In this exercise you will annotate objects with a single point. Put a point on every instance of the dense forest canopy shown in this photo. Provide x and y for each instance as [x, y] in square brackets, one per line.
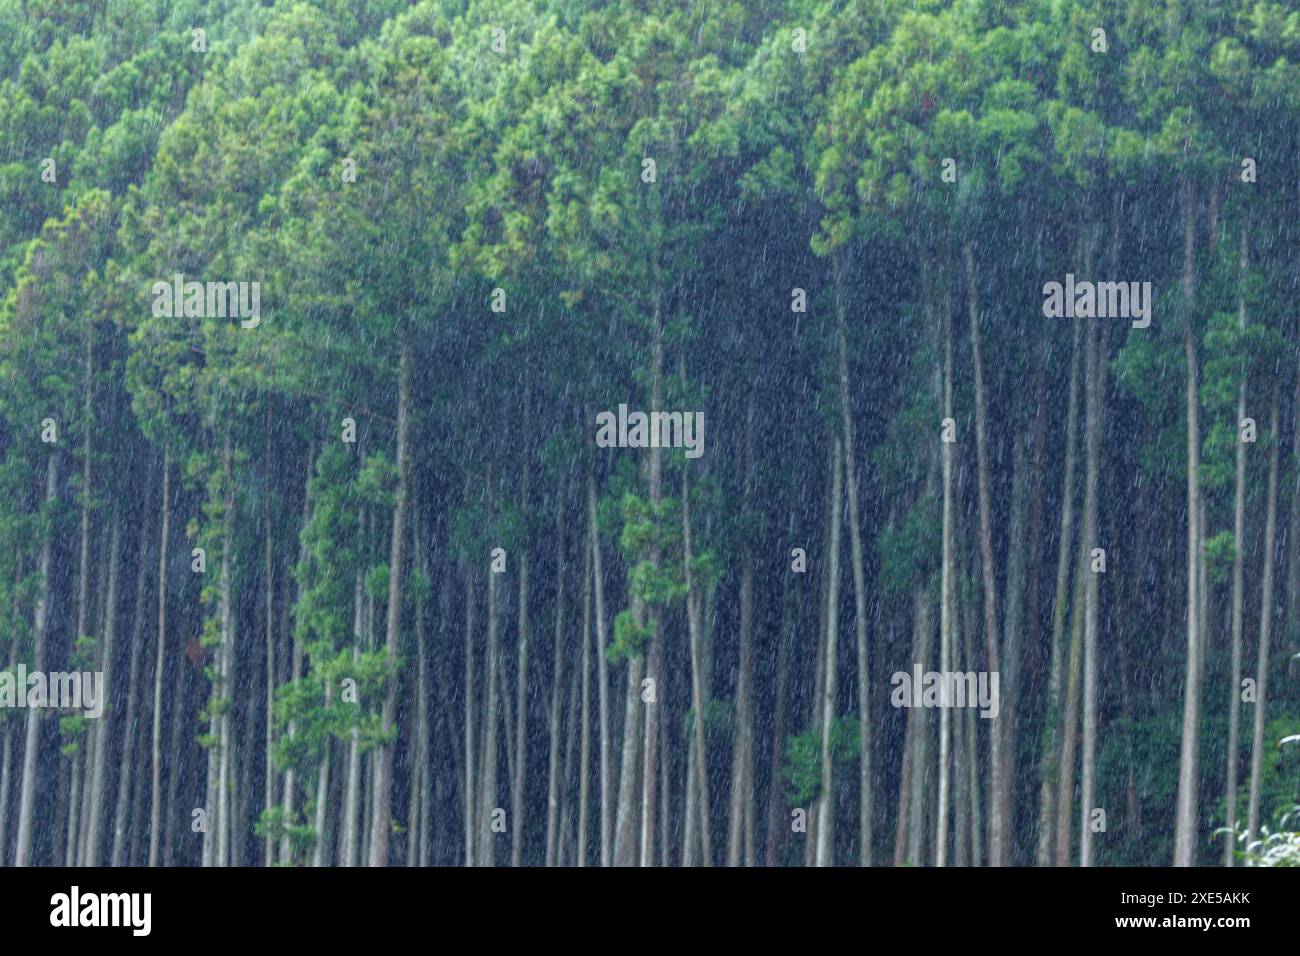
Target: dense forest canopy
[594, 433]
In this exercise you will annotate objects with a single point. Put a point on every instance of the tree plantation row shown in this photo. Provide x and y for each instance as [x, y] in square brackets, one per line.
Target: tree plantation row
[354, 368]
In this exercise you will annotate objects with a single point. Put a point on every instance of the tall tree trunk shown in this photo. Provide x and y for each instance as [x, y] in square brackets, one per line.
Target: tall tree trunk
[98, 783]
[1052, 719]
[776, 821]
[381, 828]
[865, 793]
[127, 792]
[268, 741]
[654, 660]
[997, 804]
[742, 789]
[352, 795]
[946, 601]
[553, 758]
[1238, 584]
[520, 766]
[491, 753]
[471, 822]
[80, 753]
[1070, 721]
[155, 803]
[1092, 450]
[602, 677]
[1188, 779]
[7, 760]
[826, 800]
[27, 790]
[322, 794]
[584, 762]
[625, 829]
[521, 714]
[1013, 627]
[919, 725]
[215, 837]
[1265, 628]
[700, 777]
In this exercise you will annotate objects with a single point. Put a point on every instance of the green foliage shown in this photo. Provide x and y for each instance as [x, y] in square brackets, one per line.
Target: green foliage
[803, 758]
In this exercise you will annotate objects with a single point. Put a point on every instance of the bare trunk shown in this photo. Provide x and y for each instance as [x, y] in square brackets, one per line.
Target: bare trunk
[1238, 588]
[865, 792]
[268, 766]
[97, 781]
[1052, 728]
[156, 800]
[380, 824]
[553, 759]
[491, 752]
[127, 792]
[1188, 777]
[584, 761]
[1265, 630]
[1070, 723]
[602, 679]
[742, 789]
[699, 750]
[471, 797]
[946, 609]
[27, 790]
[826, 800]
[997, 806]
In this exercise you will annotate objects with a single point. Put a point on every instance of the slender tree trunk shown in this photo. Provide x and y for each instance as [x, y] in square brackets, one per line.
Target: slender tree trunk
[997, 801]
[98, 783]
[126, 791]
[742, 789]
[553, 764]
[352, 798]
[1052, 727]
[698, 698]
[1265, 629]
[826, 800]
[584, 762]
[626, 821]
[491, 753]
[1090, 597]
[946, 601]
[155, 803]
[865, 792]
[1013, 627]
[1070, 723]
[913, 782]
[521, 715]
[268, 765]
[322, 795]
[215, 835]
[381, 828]
[470, 795]
[564, 847]
[1238, 585]
[27, 791]
[1188, 779]
[520, 766]
[602, 678]
[654, 660]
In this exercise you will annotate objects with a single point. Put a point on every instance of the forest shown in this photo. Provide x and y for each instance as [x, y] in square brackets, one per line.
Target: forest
[953, 530]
